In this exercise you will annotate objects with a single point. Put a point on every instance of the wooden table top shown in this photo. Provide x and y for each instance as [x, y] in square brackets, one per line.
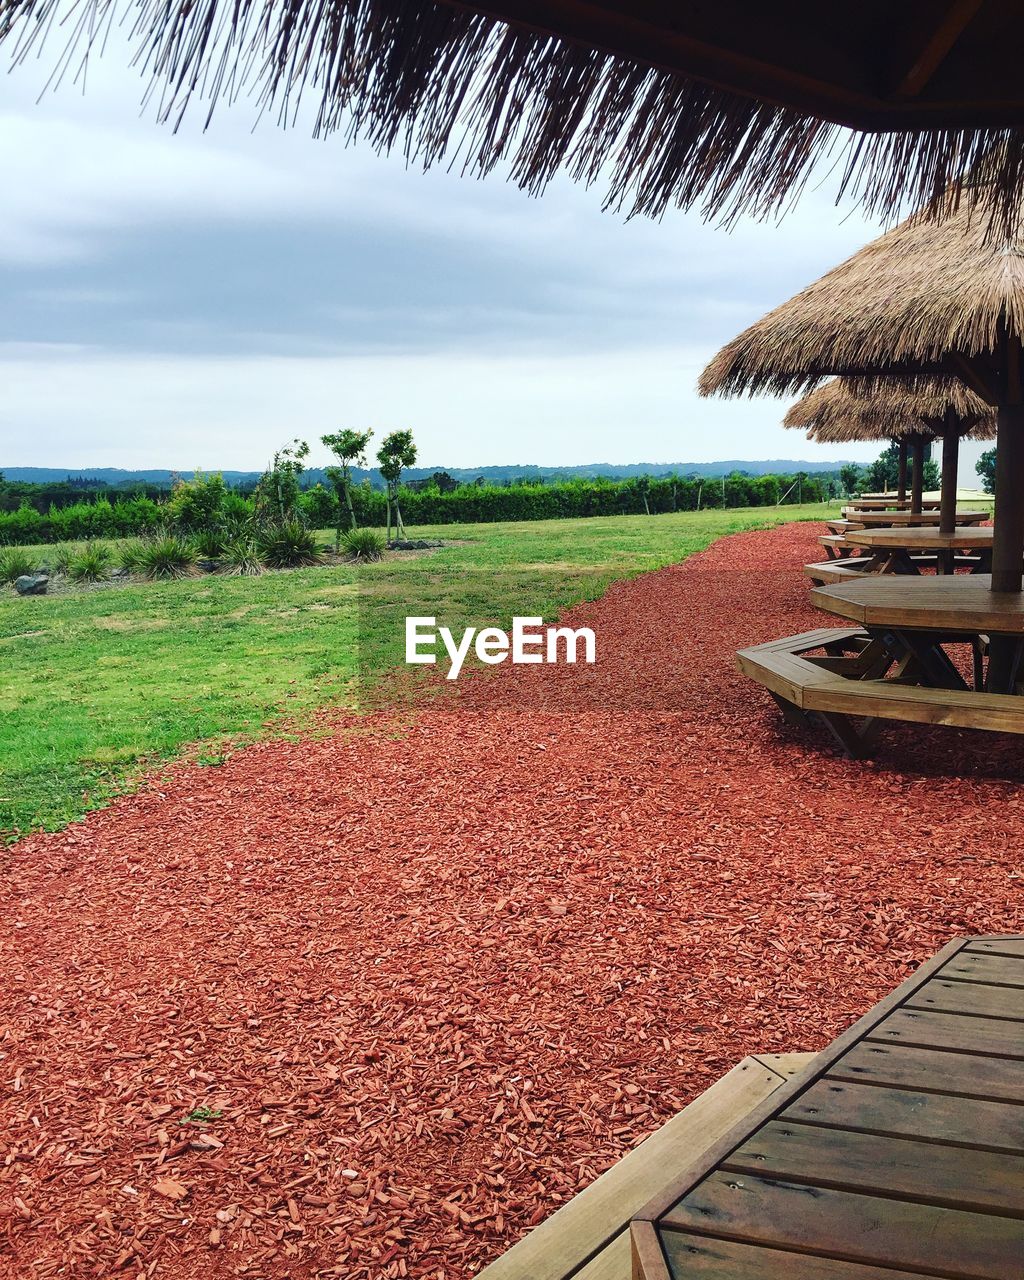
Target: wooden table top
[898, 1152]
[895, 504]
[964, 603]
[923, 538]
[915, 517]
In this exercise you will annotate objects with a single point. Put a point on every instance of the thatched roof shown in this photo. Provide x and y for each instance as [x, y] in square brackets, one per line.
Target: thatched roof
[910, 301]
[716, 106]
[840, 412]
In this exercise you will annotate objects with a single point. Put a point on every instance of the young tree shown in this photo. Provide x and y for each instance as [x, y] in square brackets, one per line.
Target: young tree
[643, 488]
[278, 487]
[850, 475]
[883, 473]
[396, 452]
[349, 447]
[986, 469]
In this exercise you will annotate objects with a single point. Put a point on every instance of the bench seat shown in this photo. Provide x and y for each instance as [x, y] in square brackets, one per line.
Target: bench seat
[833, 689]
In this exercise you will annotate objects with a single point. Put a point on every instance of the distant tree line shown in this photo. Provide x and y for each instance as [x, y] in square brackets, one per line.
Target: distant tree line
[436, 500]
[883, 474]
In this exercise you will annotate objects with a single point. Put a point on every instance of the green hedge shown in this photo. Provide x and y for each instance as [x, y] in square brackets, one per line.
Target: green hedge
[473, 504]
[468, 504]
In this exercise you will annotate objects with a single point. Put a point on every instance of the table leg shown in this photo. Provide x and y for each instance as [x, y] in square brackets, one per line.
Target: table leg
[935, 665]
[1004, 658]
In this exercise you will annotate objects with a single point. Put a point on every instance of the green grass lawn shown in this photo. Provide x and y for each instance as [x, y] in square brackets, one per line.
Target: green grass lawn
[100, 685]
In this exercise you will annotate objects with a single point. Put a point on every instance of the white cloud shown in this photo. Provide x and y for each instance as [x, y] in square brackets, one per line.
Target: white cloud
[465, 411]
[558, 333]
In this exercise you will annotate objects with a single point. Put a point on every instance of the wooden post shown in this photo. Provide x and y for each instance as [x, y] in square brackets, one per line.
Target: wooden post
[1008, 534]
[902, 479]
[917, 478]
[950, 459]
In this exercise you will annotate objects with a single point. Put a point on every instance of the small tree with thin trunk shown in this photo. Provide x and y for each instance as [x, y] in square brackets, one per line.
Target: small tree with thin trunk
[396, 452]
[349, 447]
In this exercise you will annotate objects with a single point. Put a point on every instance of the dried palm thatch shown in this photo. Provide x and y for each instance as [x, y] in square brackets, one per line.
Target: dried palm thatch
[840, 412]
[924, 299]
[440, 80]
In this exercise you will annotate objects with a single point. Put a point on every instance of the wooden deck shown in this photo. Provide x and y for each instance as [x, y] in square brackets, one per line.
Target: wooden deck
[588, 1238]
[898, 1152]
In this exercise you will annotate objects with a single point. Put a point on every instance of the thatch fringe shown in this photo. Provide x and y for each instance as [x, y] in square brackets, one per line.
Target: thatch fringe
[442, 82]
[906, 303]
[840, 412]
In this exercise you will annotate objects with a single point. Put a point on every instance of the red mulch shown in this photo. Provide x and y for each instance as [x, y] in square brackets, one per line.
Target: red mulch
[437, 979]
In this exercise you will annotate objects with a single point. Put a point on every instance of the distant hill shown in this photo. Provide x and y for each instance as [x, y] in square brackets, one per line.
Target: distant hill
[116, 477]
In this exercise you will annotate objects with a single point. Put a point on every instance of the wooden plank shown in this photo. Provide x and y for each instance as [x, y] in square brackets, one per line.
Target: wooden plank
[930, 1117]
[998, 970]
[649, 1262]
[998, 946]
[614, 1262]
[590, 1221]
[784, 1064]
[932, 1071]
[971, 999]
[856, 1228]
[949, 1031]
[890, 701]
[703, 1259]
[872, 1164]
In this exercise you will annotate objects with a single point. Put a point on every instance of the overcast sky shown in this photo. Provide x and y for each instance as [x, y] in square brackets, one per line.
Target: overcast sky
[196, 299]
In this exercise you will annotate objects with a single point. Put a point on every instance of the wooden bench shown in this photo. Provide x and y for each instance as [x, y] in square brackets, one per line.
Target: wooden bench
[838, 570]
[835, 545]
[845, 690]
[857, 564]
[588, 1238]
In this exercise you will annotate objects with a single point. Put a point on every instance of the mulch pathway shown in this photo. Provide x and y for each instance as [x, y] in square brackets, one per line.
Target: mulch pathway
[430, 978]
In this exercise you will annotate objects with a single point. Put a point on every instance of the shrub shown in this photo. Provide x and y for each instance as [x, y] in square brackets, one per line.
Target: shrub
[90, 563]
[14, 563]
[287, 545]
[241, 556]
[62, 555]
[129, 555]
[363, 544]
[196, 505]
[319, 507]
[169, 556]
[208, 543]
[237, 513]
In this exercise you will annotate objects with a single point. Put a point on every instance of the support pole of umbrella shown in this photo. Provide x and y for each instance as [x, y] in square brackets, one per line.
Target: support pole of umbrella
[902, 474]
[1008, 534]
[917, 476]
[950, 462]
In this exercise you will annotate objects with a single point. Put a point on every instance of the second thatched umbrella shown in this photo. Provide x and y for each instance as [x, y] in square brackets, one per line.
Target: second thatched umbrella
[926, 301]
[841, 411]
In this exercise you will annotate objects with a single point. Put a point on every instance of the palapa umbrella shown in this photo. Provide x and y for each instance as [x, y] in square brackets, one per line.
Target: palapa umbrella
[726, 106]
[840, 411]
[929, 300]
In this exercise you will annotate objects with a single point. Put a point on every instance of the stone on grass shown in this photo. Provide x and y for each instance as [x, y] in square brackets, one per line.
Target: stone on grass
[31, 584]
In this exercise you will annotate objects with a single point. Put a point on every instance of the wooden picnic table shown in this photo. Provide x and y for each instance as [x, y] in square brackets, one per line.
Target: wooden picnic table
[890, 504]
[915, 620]
[898, 1152]
[894, 519]
[894, 550]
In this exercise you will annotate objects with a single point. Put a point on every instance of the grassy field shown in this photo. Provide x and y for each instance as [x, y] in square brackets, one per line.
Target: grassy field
[100, 685]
